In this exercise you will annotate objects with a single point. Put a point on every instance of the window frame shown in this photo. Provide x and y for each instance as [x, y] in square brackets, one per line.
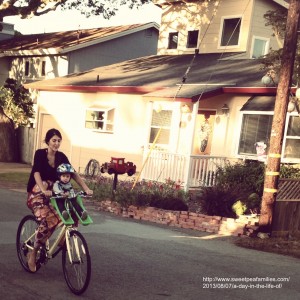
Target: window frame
[188, 38]
[286, 137]
[32, 67]
[105, 121]
[169, 128]
[267, 45]
[221, 34]
[170, 40]
[242, 113]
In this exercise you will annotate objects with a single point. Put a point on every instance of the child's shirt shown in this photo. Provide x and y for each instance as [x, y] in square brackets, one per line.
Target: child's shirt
[60, 188]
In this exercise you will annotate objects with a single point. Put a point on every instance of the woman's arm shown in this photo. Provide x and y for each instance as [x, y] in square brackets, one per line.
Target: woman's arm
[80, 181]
[39, 182]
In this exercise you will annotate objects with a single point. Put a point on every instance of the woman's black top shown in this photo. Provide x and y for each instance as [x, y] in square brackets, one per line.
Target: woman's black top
[41, 165]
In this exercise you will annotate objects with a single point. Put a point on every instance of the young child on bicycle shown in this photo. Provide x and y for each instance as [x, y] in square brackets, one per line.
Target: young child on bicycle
[63, 187]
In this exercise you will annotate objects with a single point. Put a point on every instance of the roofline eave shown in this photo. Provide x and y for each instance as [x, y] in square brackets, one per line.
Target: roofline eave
[109, 37]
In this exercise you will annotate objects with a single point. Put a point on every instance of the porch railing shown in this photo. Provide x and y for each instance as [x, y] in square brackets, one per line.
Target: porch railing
[193, 171]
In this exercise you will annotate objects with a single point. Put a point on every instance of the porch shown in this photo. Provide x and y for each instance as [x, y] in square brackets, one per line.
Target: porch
[192, 171]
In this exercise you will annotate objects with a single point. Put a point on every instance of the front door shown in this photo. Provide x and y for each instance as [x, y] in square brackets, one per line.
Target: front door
[204, 132]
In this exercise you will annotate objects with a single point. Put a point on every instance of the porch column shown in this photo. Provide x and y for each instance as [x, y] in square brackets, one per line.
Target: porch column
[191, 142]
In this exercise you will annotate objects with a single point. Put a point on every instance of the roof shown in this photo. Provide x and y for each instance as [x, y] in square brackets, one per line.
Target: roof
[260, 103]
[160, 3]
[65, 41]
[161, 76]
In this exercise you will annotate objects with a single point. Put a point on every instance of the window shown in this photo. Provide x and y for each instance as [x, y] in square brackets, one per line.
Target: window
[255, 128]
[27, 68]
[292, 138]
[259, 47]
[192, 39]
[161, 120]
[43, 68]
[100, 119]
[173, 40]
[231, 32]
[35, 68]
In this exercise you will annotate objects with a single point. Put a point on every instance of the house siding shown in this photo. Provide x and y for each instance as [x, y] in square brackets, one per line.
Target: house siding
[129, 134]
[56, 66]
[177, 18]
[4, 63]
[124, 48]
[259, 28]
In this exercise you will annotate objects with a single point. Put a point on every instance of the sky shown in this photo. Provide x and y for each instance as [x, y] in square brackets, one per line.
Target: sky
[72, 20]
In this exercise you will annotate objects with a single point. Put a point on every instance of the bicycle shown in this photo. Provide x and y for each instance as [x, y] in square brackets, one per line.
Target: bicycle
[76, 260]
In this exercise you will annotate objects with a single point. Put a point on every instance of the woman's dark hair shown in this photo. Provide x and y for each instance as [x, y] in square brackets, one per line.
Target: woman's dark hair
[51, 133]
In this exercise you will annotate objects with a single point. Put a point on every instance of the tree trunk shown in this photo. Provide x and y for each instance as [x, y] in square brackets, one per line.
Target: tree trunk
[8, 141]
[280, 110]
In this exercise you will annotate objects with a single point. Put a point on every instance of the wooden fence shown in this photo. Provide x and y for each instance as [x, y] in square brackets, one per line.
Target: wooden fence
[286, 216]
[25, 136]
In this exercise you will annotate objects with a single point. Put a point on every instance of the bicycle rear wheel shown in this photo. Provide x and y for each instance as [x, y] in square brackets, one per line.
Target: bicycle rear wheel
[25, 238]
[76, 262]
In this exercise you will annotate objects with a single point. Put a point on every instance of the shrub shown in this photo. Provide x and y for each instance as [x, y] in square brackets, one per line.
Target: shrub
[289, 171]
[218, 200]
[168, 195]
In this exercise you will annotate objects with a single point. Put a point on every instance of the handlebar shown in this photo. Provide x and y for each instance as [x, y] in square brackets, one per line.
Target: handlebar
[80, 193]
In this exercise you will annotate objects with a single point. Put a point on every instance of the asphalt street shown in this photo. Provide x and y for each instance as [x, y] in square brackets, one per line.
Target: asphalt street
[134, 260]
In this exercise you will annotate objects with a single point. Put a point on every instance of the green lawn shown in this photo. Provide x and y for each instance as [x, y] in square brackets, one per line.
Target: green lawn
[21, 178]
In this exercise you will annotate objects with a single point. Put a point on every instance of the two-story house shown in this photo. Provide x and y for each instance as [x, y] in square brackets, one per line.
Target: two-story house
[34, 57]
[180, 113]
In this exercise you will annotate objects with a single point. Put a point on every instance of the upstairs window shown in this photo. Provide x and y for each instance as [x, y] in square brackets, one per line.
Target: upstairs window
[100, 119]
[230, 32]
[43, 68]
[35, 68]
[260, 47]
[27, 68]
[173, 40]
[192, 39]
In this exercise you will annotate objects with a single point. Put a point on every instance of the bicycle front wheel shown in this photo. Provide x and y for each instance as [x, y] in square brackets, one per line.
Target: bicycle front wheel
[25, 239]
[76, 262]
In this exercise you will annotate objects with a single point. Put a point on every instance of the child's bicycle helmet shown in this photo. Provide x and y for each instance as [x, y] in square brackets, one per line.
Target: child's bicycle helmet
[65, 169]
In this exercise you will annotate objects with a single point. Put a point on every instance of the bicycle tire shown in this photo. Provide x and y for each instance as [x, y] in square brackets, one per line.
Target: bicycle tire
[77, 273]
[26, 229]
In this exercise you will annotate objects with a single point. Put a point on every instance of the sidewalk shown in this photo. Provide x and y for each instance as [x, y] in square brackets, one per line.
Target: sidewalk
[14, 167]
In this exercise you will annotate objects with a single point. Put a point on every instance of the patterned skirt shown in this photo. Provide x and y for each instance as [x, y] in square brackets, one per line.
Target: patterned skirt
[44, 213]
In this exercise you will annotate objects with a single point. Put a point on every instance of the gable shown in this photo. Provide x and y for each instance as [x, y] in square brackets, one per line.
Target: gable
[65, 41]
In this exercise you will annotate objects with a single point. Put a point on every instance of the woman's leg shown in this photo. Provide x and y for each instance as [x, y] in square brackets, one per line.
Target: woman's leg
[48, 220]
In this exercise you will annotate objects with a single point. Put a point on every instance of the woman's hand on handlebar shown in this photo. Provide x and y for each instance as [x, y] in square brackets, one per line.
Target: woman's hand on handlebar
[88, 192]
[47, 193]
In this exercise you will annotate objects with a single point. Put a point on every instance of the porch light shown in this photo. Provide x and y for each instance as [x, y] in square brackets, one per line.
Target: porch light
[225, 110]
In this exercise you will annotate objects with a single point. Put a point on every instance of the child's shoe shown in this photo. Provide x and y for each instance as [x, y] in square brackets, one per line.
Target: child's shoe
[84, 215]
[65, 215]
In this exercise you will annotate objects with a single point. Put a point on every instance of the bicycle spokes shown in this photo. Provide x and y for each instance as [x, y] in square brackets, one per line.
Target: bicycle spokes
[76, 262]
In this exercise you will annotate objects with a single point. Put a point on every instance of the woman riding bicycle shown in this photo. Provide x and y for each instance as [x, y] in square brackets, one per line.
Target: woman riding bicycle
[39, 188]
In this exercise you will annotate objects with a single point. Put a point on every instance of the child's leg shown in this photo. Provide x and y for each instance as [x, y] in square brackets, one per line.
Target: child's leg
[82, 213]
[62, 208]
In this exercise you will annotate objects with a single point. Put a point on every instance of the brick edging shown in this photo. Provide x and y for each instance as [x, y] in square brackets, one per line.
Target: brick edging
[242, 226]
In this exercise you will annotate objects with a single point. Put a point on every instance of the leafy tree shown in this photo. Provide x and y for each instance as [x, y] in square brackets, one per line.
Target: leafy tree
[16, 108]
[29, 8]
[272, 61]
[16, 102]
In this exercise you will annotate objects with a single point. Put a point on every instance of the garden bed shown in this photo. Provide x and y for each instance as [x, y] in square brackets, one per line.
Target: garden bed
[242, 226]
